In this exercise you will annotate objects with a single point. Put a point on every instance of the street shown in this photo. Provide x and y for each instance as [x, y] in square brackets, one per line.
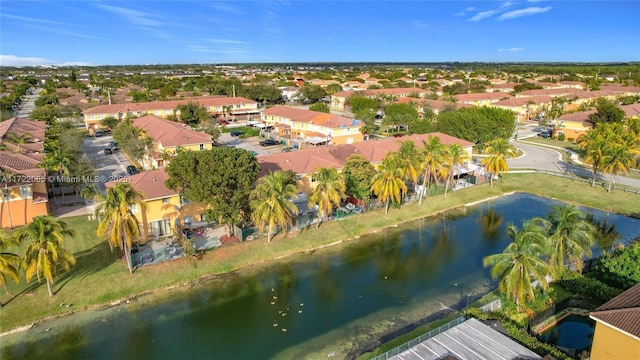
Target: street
[111, 167]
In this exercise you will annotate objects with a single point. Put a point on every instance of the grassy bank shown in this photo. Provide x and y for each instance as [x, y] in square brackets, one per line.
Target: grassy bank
[99, 278]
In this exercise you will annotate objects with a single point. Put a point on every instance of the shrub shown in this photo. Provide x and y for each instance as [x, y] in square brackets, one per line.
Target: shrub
[570, 139]
[590, 289]
[561, 137]
[620, 268]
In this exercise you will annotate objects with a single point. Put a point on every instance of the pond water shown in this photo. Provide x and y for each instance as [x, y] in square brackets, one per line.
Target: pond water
[573, 332]
[335, 300]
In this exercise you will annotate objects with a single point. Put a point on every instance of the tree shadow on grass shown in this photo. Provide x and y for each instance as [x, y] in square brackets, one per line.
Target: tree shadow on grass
[88, 262]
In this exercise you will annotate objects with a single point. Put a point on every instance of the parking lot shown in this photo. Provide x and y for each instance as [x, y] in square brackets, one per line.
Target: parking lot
[251, 144]
[110, 167]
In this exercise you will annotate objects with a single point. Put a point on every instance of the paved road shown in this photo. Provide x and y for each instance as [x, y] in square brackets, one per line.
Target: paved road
[251, 144]
[539, 157]
[28, 104]
[111, 167]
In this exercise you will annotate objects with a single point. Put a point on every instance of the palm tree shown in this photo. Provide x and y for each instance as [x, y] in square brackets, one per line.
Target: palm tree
[594, 144]
[410, 160]
[9, 262]
[5, 193]
[45, 254]
[388, 183]
[453, 155]
[520, 262]
[57, 160]
[117, 218]
[619, 157]
[571, 236]
[433, 161]
[496, 163]
[329, 190]
[271, 202]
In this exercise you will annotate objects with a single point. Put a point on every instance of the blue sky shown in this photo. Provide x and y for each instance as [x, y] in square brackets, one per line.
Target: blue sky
[168, 32]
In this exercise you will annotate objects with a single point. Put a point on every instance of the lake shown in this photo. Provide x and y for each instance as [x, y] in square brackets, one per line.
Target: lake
[308, 306]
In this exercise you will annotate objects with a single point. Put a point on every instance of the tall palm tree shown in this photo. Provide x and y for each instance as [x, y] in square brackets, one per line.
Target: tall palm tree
[410, 160]
[571, 236]
[498, 149]
[9, 262]
[329, 190]
[520, 263]
[453, 155]
[620, 156]
[45, 255]
[433, 161]
[388, 183]
[58, 161]
[594, 143]
[117, 220]
[271, 202]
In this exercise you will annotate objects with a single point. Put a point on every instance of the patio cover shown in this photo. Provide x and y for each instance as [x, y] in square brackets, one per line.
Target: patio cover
[317, 140]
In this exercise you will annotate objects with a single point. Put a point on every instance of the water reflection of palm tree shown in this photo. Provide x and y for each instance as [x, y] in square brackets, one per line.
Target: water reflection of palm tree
[328, 286]
[605, 235]
[491, 221]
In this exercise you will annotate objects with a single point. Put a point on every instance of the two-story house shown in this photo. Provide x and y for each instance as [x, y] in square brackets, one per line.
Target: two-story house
[300, 127]
[164, 210]
[339, 99]
[233, 107]
[23, 184]
[480, 99]
[169, 138]
[524, 108]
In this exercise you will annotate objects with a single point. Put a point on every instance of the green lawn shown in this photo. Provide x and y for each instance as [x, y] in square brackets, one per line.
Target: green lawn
[552, 142]
[100, 278]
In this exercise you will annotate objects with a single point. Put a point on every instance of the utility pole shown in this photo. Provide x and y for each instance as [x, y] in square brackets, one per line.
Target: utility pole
[109, 95]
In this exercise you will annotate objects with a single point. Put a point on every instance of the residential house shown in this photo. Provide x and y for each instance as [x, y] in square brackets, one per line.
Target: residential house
[23, 184]
[305, 162]
[164, 210]
[617, 333]
[339, 99]
[547, 92]
[524, 108]
[300, 127]
[169, 138]
[289, 93]
[502, 88]
[435, 105]
[575, 124]
[236, 107]
[480, 99]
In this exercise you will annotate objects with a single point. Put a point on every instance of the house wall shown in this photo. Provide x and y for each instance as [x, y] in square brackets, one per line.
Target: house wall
[158, 209]
[609, 343]
[17, 210]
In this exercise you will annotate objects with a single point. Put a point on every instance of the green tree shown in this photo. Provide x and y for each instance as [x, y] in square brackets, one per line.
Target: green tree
[328, 192]
[9, 262]
[453, 155]
[47, 113]
[520, 263]
[358, 172]
[320, 107]
[221, 178]
[110, 122]
[607, 112]
[44, 254]
[400, 114]
[388, 183]
[117, 218]
[192, 112]
[271, 202]
[571, 237]
[311, 93]
[410, 160]
[498, 151]
[594, 144]
[333, 88]
[477, 124]
[619, 156]
[433, 152]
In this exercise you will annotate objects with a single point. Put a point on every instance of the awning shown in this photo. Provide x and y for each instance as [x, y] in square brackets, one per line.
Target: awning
[316, 140]
[245, 112]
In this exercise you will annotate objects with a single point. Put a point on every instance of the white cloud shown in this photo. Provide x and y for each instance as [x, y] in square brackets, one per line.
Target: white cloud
[470, 8]
[13, 60]
[226, 41]
[30, 19]
[419, 24]
[524, 12]
[135, 17]
[513, 49]
[225, 7]
[483, 15]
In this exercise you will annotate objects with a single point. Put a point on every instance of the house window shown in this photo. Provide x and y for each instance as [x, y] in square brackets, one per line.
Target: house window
[299, 177]
[25, 191]
[139, 113]
[201, 147]
[165, 200]
[313, 177]
[188, 220]
[184, 200]
[133, 208]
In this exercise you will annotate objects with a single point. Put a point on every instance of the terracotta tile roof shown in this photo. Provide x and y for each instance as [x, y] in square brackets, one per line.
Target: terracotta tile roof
[622, 312]
[629, 110]
[537, 100]
[481, 96]
[394, 91]
[306, 161]
[24, 158]
[312, 117]
[150, 183]
[550, 92]
[437, 105]
[164, 105]
[170, 133]
[33, 129]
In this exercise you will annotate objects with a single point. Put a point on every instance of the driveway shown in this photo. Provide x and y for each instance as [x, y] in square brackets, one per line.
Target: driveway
[111, 167]
[251, 144]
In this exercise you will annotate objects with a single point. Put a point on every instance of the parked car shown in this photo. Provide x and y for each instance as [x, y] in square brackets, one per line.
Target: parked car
[113, 145]
[108, 150]
[236, 133]
[545, 134]
[98, 133]
[223, 122]
[268, 142]
[132, 170]
[287, 149]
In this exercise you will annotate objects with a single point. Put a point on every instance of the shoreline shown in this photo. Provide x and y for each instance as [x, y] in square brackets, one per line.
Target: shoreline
[132, 297]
